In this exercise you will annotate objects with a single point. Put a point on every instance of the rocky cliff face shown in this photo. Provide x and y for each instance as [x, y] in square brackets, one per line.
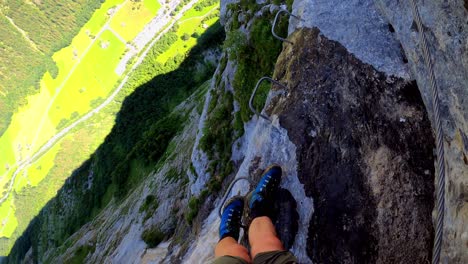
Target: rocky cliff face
[364, 148]
[446, 27]
[155, 207]
[352, 129]
[372, 30]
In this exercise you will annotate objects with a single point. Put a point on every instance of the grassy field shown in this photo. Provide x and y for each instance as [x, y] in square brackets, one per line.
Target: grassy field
[15, 144]
[193, 23]
[38, 170]
[133, 16]
[8, 220]
[85, 75]
[197, 12]
[67, 57]
[46, 111]
[31, 127]
[30, 33]
[91, 81]
[93, 78]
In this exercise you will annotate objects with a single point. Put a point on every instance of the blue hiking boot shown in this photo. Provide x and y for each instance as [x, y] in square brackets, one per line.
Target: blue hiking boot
[231, 218]
[262, 199]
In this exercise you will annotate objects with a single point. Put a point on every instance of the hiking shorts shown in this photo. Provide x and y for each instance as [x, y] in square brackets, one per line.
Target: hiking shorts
[271, 257]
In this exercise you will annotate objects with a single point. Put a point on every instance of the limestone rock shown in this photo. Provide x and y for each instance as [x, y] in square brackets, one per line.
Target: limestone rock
[383, 34]
[364, 168]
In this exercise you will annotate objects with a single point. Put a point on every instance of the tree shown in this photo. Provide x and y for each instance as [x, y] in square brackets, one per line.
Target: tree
[185, 37]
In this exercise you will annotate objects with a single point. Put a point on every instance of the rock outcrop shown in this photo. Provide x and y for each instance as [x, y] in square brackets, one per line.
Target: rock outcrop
[364, 148]
[115, 235]
[372, 31]
[357, 115]
[446, 29]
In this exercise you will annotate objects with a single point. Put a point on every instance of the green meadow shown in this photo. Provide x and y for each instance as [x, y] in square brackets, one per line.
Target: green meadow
[133, 16]
[93, 78]
[8, 221]
[37, 171]
[193, 23]
[86, 75]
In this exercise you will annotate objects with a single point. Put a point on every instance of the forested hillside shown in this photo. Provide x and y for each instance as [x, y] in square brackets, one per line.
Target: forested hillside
[30, 32]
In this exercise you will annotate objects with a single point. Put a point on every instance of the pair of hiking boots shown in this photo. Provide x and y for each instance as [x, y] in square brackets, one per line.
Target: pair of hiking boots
[260, 203]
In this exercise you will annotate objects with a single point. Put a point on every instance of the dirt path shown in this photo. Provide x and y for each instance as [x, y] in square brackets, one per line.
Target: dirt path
[24, 34]
[116, 34]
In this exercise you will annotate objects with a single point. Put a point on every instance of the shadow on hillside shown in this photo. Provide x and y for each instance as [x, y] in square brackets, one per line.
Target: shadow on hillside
[77, 202]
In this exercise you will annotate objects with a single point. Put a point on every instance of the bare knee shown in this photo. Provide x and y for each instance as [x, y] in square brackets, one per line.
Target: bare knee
[262, 236]
[268, 243]
[229, 247]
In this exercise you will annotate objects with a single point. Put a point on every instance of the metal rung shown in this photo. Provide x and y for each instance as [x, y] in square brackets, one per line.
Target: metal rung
[255, 90]
[276, 19]
[220, 212]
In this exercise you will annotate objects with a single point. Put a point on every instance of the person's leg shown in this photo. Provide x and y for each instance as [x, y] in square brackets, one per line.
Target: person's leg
[262, 236]
[265, 246]
[228, 250]
[228, 246]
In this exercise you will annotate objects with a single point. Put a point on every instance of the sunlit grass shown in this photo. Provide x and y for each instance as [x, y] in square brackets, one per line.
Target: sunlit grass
[189, 24]
[152, 5]
[93, 78]
[16, 143]
[8, 221]
[7, 156]
[25, 123]
[37, 171]
[67, 57]
[133, 16]
[195, 13]
[31, 126]
[48, 174]
[101, 16]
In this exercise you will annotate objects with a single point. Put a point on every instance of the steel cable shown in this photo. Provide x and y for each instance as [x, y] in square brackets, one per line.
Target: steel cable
[440, 174]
